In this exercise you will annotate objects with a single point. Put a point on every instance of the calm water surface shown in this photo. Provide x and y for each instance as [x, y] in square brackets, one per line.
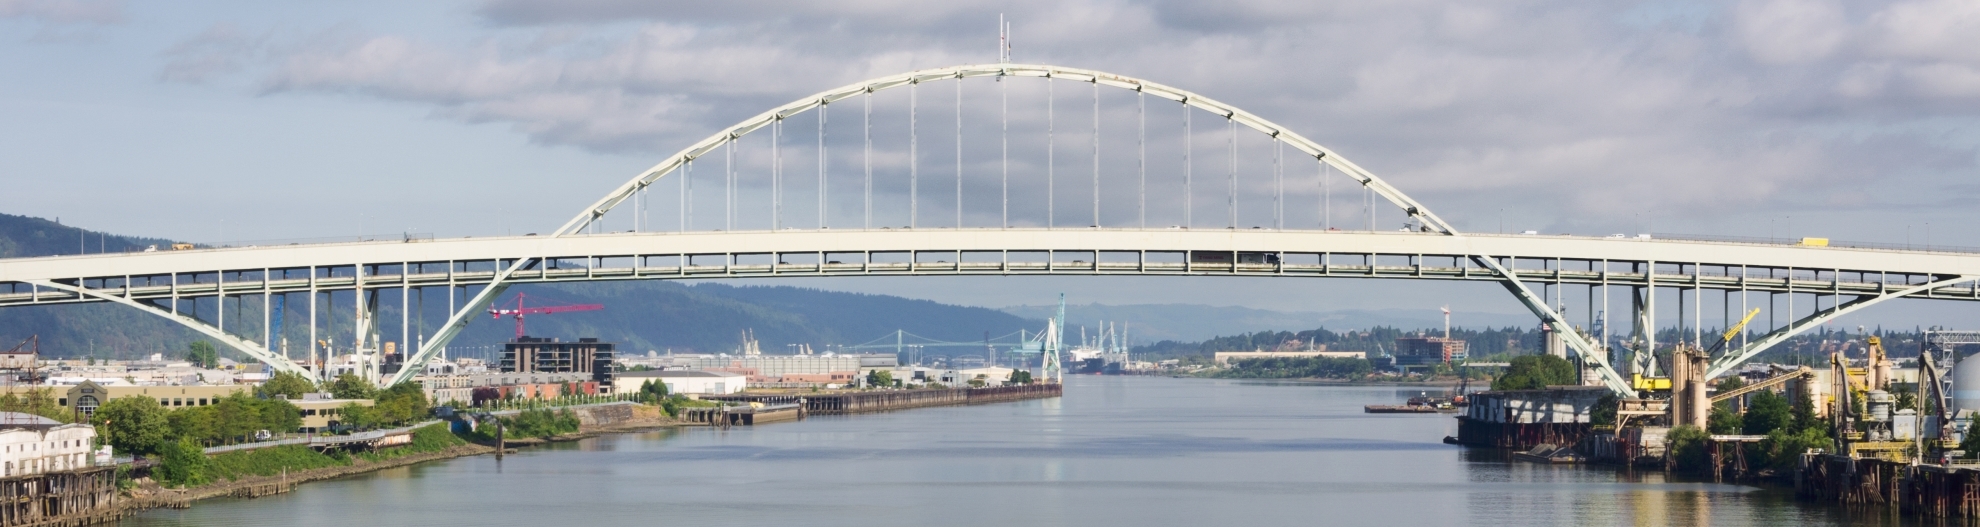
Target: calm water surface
[1114, 451]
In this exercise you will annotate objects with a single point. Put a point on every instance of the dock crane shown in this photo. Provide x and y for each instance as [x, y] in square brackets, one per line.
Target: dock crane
[520, 311]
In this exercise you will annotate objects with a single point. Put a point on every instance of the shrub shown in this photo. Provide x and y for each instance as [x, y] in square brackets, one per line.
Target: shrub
[1687, 450]
[181, 463]
[540, 423]
[1783, 448]
[132, 425]
[1533, 372]
[268, 461]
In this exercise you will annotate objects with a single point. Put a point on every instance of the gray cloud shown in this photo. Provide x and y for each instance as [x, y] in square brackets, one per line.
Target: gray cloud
[1586, 112]
[64, 11]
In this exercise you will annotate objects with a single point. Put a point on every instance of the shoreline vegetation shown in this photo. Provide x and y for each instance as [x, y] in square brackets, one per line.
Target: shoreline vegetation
[273, 470]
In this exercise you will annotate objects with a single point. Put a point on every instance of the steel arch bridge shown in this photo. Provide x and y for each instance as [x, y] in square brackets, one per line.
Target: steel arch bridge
[1832, 281]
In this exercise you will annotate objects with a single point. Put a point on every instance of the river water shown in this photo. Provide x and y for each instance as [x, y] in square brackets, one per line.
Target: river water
[1113, 451]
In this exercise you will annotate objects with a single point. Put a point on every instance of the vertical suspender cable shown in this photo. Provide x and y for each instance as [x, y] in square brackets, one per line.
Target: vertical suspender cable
[1051, 165]
[1326, 195]
[1278, 183]
[729, 184]
[1189, 190]
[777, 173]
[1005, 94]
[1141, 157]
[959, 179]
[1231, 124]
[914, 155]
[1096, 152]
[688, 193]
[823, 160]
[868, 157]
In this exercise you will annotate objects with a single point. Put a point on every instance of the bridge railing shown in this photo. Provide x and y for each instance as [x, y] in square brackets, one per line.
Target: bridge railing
[1755, 240]
[402, 237]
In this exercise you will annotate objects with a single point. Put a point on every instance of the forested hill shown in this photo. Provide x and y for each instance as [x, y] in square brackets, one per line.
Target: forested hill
[23, 236]
[640, 316]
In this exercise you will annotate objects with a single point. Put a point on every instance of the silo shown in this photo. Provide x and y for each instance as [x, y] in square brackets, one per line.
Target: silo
[1966, 386]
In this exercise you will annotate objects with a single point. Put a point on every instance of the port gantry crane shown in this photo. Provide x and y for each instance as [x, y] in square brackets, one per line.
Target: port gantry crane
[520, 311]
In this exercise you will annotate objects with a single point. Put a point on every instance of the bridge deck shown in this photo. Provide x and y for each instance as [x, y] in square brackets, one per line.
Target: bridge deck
[623, 256]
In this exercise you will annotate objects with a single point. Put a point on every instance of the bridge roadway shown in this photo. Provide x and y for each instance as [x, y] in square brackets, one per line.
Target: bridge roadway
[619, 256]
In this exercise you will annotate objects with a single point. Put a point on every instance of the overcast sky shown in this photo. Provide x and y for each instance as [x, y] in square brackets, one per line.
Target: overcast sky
[255, 120]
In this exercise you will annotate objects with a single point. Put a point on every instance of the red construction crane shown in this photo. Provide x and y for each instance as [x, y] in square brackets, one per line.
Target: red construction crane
[520, 311]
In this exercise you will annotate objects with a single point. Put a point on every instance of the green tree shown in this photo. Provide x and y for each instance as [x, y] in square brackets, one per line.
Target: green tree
[1783, 447]
[348, 386]
[880, 378]
[1804, 416]
[402, 403]
[357, 416]
[1971, 443]
[132, 425]
[1687, 444]
[277, 415]
[195, 423]
[651, 392]
[1723, 420]
[1907, 396]
[202, 354]
[37, 401]
[236, 418]
[288, 384]
[1766, 412]
[1604, 412]
[1019, 377]
[181, 463]
[1533, 372]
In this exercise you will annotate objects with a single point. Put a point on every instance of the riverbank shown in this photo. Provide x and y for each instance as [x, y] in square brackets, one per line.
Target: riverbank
[594, 421]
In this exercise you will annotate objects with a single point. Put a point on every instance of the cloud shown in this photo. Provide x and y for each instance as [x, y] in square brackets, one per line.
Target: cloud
[1586, 109]
[220, 51]
[64, 11]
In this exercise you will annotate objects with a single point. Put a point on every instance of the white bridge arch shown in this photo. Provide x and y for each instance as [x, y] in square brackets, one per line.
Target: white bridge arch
[473, 271]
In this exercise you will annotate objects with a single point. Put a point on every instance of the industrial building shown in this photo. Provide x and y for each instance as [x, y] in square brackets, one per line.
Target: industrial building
[1428, 351]
[32, 444]
[443, 389]
[688, 381]
[320, 412]
[82, 399]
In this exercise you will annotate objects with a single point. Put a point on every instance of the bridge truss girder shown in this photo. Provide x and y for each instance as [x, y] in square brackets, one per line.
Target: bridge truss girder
[1590, 354]
[246, 347]
[1739, 356]
[609, 264]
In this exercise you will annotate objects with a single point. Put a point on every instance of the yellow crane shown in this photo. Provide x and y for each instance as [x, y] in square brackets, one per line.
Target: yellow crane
[1642, 383]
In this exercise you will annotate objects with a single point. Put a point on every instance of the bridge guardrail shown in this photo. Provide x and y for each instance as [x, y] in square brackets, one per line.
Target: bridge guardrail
[1755, 240]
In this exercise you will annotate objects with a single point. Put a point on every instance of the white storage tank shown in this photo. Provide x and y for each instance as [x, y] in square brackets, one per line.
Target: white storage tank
[1966, 386]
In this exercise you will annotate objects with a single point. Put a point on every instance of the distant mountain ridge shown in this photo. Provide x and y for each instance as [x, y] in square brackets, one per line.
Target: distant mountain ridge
[24, 236]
